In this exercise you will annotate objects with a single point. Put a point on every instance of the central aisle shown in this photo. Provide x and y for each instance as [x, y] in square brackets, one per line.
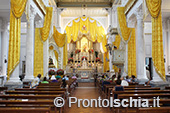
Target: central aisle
[86, 93]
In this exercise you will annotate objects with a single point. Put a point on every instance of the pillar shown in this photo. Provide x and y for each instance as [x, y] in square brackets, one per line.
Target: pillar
[30, 47]
[140, 47]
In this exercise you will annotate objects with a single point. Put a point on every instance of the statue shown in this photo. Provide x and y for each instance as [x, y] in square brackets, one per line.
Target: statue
[85, 47]
[50, 61]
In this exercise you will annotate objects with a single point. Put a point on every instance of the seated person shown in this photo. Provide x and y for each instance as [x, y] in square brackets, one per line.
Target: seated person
[45, 81]
[53, 79]
[127, 78]
[36, 81]
[124, 82]
[133, 79]
[65, 77]
[118, 87]
[58, 76]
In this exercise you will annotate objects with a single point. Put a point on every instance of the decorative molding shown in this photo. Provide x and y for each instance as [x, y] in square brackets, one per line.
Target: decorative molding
[39, 23]
[40, 4]
[139, 13]
[129, 6]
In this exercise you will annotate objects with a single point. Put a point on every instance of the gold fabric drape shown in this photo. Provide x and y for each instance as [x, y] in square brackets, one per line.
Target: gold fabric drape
[45, 30]
[16, 11]
[84, 25]
[65, 56]
[154, 7]
[56, 56]
[117, 41]
[58, 37]
[123, 30]
[18, 7]
[38, 53]
[132, 54]
[106, 63]
[104, 43]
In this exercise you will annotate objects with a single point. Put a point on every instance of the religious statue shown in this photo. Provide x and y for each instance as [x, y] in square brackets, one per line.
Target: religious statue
[85, 47]
[50, 61]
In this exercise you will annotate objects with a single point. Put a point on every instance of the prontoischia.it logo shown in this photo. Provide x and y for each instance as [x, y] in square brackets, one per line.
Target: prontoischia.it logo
[139, 102]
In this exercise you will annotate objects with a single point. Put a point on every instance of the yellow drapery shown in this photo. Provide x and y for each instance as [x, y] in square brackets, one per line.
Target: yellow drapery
[104, 43]
[132, 54]
[106, 63]
[58, 37]
[84, 25]
[17, 9]
[154, 7]
[117, 41]
[56, 56]
[45, 30]
[124, 31]
[65, 56]
[38, 53]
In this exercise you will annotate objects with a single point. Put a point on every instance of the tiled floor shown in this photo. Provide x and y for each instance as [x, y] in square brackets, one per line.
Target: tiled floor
[86, 93]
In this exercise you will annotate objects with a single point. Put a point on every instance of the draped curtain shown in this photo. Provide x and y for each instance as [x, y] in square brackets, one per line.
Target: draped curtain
[117, 41]
[56, 56]
[84, 25]
[38, 53]
[123, 30]
[60, 39]
[45, 30]
[65, 56]
[128, 37]
[105, 62]
[132, 54]
[154, 7]
[16, 11]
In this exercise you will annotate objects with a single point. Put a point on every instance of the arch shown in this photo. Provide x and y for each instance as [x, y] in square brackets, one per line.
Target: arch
[83, 25]
[86, 16]
[55, 47]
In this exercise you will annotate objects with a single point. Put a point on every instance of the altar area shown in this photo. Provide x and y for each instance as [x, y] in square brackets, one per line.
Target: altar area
[85, 59]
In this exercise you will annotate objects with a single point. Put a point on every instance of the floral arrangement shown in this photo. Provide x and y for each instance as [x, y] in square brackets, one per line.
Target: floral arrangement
[84, 57]
[91, 51]
[51, 72]
[70, 60]
[97, 59]
[77, 51]
[60, 72]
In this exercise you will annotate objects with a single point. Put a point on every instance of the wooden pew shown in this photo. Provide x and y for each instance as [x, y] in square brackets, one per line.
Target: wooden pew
[24, 110]
[154, 110]
[48, 87]
[143, 88]
[36, 92]
[31, 97]
[50, 84]
[141, 91]
[3, 88]
[40, 89]
[167, 88]
[123, 96]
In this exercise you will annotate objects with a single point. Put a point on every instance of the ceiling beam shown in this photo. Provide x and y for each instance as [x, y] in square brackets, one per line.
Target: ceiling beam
[84, 4]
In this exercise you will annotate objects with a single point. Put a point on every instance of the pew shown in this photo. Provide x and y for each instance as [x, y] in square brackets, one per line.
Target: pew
[36, 92]
[40, 89]
[24, 110]
[3, 88]
[155, 110]
[123, 96]
[141, 91]
[109, 93]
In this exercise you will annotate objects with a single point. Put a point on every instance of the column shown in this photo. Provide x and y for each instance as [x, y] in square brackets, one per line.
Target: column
[0, 47]
[30, 47]
[4, 51]
[58, 19]
[140, 47]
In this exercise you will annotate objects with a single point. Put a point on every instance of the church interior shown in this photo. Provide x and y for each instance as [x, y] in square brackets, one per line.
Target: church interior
[85, 49]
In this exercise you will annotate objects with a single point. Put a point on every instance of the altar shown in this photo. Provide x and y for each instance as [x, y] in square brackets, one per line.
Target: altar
[85, 59]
